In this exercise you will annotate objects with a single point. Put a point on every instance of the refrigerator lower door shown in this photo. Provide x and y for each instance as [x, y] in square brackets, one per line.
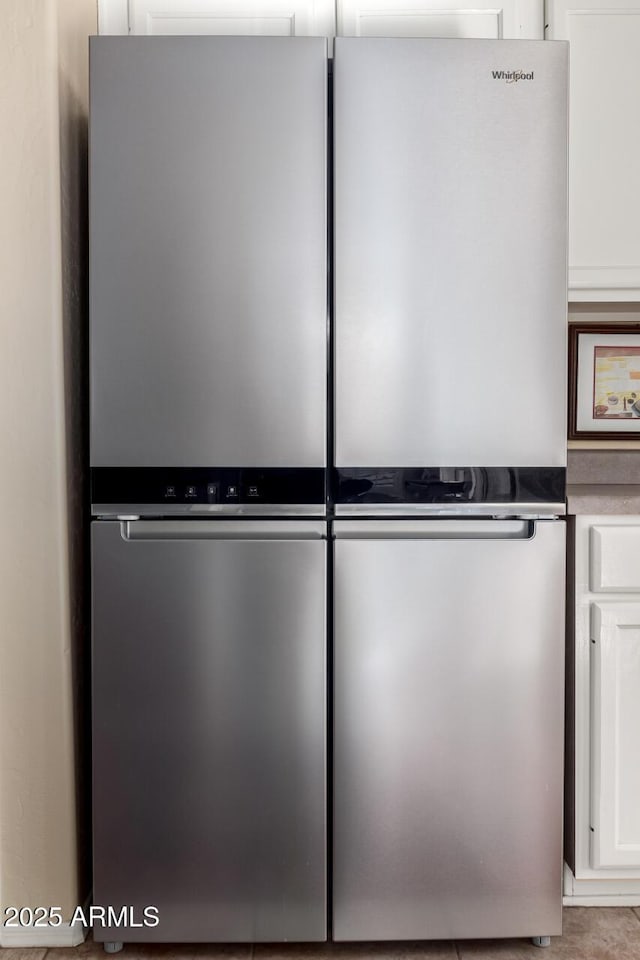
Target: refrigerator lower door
[448, 720]
[209, 729]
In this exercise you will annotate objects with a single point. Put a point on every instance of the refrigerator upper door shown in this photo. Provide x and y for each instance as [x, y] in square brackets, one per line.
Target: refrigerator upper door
[208, 262]
[450, 252]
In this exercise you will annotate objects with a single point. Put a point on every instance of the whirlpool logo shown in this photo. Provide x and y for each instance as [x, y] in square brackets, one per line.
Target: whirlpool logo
[512, 76]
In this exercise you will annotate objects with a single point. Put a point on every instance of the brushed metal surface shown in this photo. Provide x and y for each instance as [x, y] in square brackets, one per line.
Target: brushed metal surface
[450, 253]
[223, 530]
[436, 529]
[112, 510]
[209, 736]
[208, 268]
[448, 720]
[533, 511]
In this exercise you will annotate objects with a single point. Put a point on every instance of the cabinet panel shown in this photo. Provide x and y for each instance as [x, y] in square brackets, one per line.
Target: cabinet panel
[615, 781]
[113, 17]
[230, 17]
[615, 559]
[604, 242]
[440, 18]
[587, 883]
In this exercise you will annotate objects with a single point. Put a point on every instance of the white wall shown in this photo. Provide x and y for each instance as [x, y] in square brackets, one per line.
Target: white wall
[41, 42]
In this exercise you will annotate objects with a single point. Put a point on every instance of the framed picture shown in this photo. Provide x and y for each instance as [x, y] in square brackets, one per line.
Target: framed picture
[604, 381]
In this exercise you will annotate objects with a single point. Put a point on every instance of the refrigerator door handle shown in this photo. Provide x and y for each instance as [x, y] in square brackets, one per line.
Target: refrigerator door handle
[435, 529]
[222, 530]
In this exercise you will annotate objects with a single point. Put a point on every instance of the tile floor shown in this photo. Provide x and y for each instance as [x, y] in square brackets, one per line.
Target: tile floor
[590, 933]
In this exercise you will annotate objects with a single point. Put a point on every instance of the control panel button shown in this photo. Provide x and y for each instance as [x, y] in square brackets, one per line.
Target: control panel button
[170, 492]
[232, 490]
[253, 492]
[191, 492]
[212, 491]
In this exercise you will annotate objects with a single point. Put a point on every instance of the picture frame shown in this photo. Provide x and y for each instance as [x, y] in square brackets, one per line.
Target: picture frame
[604, 381]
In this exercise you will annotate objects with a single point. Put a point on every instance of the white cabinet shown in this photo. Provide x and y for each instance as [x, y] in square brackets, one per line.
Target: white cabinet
[604, 138]
[489, 19]
[613, 558]
[231, 17]
[615, 748]
[367, 18]
[603, 810]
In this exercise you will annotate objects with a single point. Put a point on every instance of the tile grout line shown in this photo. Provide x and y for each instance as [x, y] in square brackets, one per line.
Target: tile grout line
[457, 950]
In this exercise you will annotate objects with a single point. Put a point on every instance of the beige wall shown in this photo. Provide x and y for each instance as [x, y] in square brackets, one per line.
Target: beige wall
[43, 131]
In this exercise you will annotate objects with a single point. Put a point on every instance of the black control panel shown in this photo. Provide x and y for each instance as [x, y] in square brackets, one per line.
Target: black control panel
[207, 485]
[448, 485]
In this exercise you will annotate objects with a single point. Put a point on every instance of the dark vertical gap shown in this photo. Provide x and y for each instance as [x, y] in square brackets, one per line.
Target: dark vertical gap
[73, 161]
[330, 288]
[330, 500]
[330, 574]
[569, 701]
[89, 526]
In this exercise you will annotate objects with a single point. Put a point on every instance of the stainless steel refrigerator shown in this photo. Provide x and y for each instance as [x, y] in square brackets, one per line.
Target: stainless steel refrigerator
[450, 177]
[416, 595]
[208, 234]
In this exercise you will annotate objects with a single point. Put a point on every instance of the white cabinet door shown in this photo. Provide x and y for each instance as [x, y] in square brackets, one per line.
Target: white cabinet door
[488, 19]
[603, 795]
[615, 783]
[604, 205]
[231, 17]
[614, 565]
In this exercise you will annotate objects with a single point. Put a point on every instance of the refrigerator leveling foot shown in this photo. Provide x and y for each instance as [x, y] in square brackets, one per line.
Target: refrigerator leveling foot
[541, 941]
[113, 946]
